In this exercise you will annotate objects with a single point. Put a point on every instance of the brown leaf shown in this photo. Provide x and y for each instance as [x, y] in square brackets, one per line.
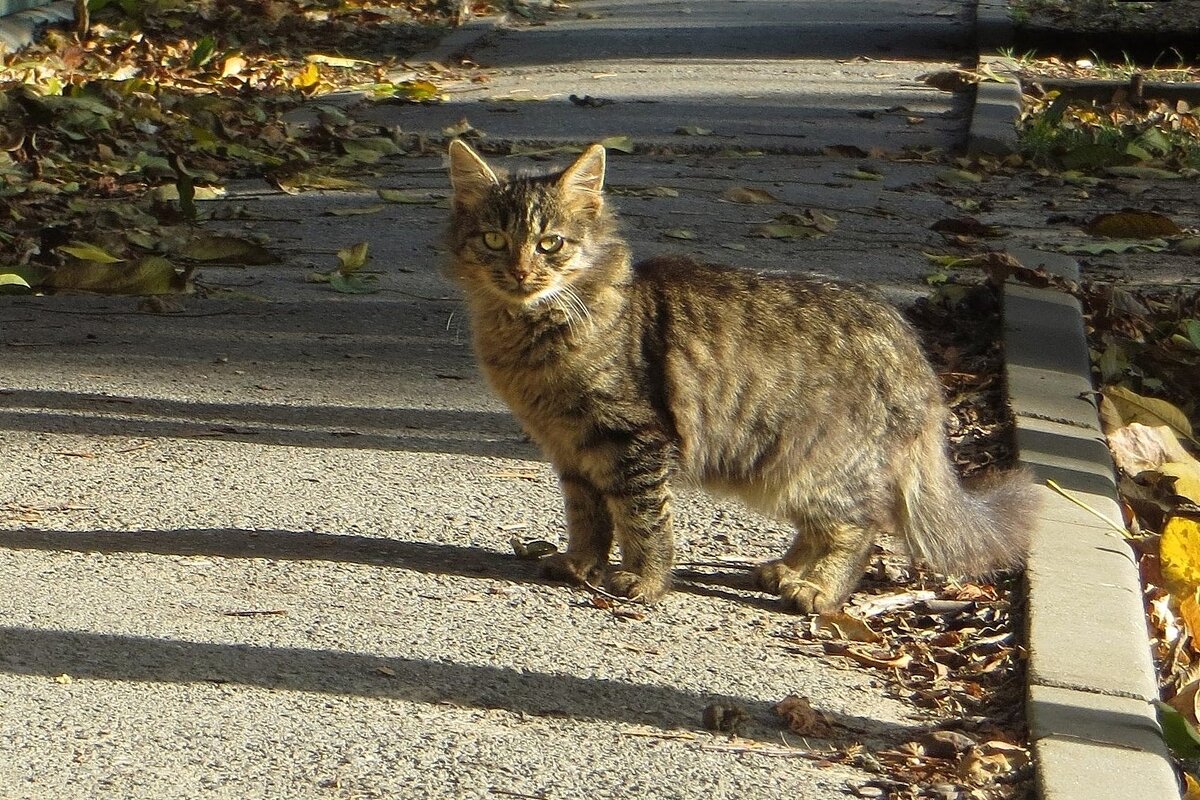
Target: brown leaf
[801, 718]
[749, 195]
[844, 627]
[1132, 225]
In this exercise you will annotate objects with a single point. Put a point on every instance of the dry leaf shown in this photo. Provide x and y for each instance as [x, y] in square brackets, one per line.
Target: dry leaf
[1132, 407]
[801, 718]
[745, 194]
[1132, 225]
[1137, 448]
[845, 627]
[1179, 555]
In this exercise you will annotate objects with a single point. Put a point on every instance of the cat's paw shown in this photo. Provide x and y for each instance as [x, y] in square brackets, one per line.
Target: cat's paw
[771, 575]
[806, 597]
[636, 587]
[572, 569]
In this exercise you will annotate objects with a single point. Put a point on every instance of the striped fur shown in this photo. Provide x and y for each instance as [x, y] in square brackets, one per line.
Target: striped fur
[809, 399]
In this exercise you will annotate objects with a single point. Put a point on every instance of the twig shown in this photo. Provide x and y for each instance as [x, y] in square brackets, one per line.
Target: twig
[1124, 533]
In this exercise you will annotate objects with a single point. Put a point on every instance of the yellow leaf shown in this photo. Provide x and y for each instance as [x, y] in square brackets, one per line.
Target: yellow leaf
[308, 77]
[1133, 407]
[1193, 787]
[89, 252]
[1179, 552]
[352, 258]
[334, 61]
[232, 66]
[749, 195]
[1187, 478]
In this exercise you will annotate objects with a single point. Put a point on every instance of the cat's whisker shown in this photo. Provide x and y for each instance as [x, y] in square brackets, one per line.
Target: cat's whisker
[584, 313]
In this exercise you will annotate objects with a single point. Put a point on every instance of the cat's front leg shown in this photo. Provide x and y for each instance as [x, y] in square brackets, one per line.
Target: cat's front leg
[589, 534]
[642, 523]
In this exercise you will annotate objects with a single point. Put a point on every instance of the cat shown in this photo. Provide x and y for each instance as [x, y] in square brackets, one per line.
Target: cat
[807, 398]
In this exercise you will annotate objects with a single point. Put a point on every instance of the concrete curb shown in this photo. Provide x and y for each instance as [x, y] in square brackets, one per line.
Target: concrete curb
[1090, 675]
[22, 28]
[1091, 681]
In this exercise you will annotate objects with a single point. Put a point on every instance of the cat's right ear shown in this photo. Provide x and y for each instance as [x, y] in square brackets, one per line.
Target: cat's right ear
[470, 176]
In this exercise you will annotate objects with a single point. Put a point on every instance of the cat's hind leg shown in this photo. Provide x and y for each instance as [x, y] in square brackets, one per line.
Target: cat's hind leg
[822, 567]
[589, 534]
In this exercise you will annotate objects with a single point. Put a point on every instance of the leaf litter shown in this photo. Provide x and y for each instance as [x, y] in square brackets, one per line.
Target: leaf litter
[110, 139]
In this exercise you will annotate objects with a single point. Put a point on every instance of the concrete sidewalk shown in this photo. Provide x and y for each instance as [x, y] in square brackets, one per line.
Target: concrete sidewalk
[260, 548]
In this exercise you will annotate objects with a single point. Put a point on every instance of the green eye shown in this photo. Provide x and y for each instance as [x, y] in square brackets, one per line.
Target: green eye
[494, 240]
[550, 244]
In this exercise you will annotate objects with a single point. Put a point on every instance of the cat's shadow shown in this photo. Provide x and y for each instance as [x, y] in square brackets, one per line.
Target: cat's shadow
[444, 559]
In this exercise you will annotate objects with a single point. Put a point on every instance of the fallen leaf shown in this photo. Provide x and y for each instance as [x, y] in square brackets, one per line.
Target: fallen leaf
[1179, 555]
[1130, 406]
[749, 195]
[228, 249]
[622, 144]
[693, 130]
[679, 233]
[411, 196]
[842, 626]
[1186, 475]
[353, 258]
[89, 252]
[1132, 225]
[801, 718]
[1138, 448]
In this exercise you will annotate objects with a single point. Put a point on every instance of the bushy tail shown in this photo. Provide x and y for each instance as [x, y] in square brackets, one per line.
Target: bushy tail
[962, 529]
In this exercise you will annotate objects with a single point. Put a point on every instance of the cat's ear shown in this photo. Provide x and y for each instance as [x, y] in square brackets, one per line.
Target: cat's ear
[584, 180]
[470, 175]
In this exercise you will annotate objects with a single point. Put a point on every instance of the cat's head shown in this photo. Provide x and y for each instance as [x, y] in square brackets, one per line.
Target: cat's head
[525, 239]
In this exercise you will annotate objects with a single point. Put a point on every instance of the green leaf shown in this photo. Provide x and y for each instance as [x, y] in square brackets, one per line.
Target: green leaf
[1145, 173]
[353, 258]
[1179, 734]
[13, 279]
[353, 284]
[89, 252]
[151, 275]
[355, 211]
[420, 197]
[622, 144]
[1191, 329]
[1094, 156]
[693, 130]
[205, 49]
[229, 249]
[418, 91]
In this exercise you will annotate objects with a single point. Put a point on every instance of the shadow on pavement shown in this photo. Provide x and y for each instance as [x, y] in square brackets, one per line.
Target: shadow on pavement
[420, 430]
[93, 656]
[425, 557]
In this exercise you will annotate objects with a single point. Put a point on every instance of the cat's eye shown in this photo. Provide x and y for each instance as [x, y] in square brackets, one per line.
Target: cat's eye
[550, 244]
[494, 240]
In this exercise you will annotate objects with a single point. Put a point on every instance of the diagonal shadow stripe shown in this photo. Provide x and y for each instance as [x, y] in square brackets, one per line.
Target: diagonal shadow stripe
[82, 655]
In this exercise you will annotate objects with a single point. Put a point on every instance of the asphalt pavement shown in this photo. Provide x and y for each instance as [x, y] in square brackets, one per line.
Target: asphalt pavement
[260, 548]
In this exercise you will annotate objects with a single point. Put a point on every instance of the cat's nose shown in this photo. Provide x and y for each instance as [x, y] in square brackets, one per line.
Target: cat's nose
[519, 275]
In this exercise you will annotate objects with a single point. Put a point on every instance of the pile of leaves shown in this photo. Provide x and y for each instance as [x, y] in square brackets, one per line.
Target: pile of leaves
[1146, 349]
[953, 651]
[1136, 137]
[110, 138]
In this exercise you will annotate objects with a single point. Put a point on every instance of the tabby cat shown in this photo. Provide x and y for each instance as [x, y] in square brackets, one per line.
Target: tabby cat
[809, 399]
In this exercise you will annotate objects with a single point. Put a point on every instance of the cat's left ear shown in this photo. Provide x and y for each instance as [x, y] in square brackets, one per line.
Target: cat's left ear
[470, 175]
[585, 178]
